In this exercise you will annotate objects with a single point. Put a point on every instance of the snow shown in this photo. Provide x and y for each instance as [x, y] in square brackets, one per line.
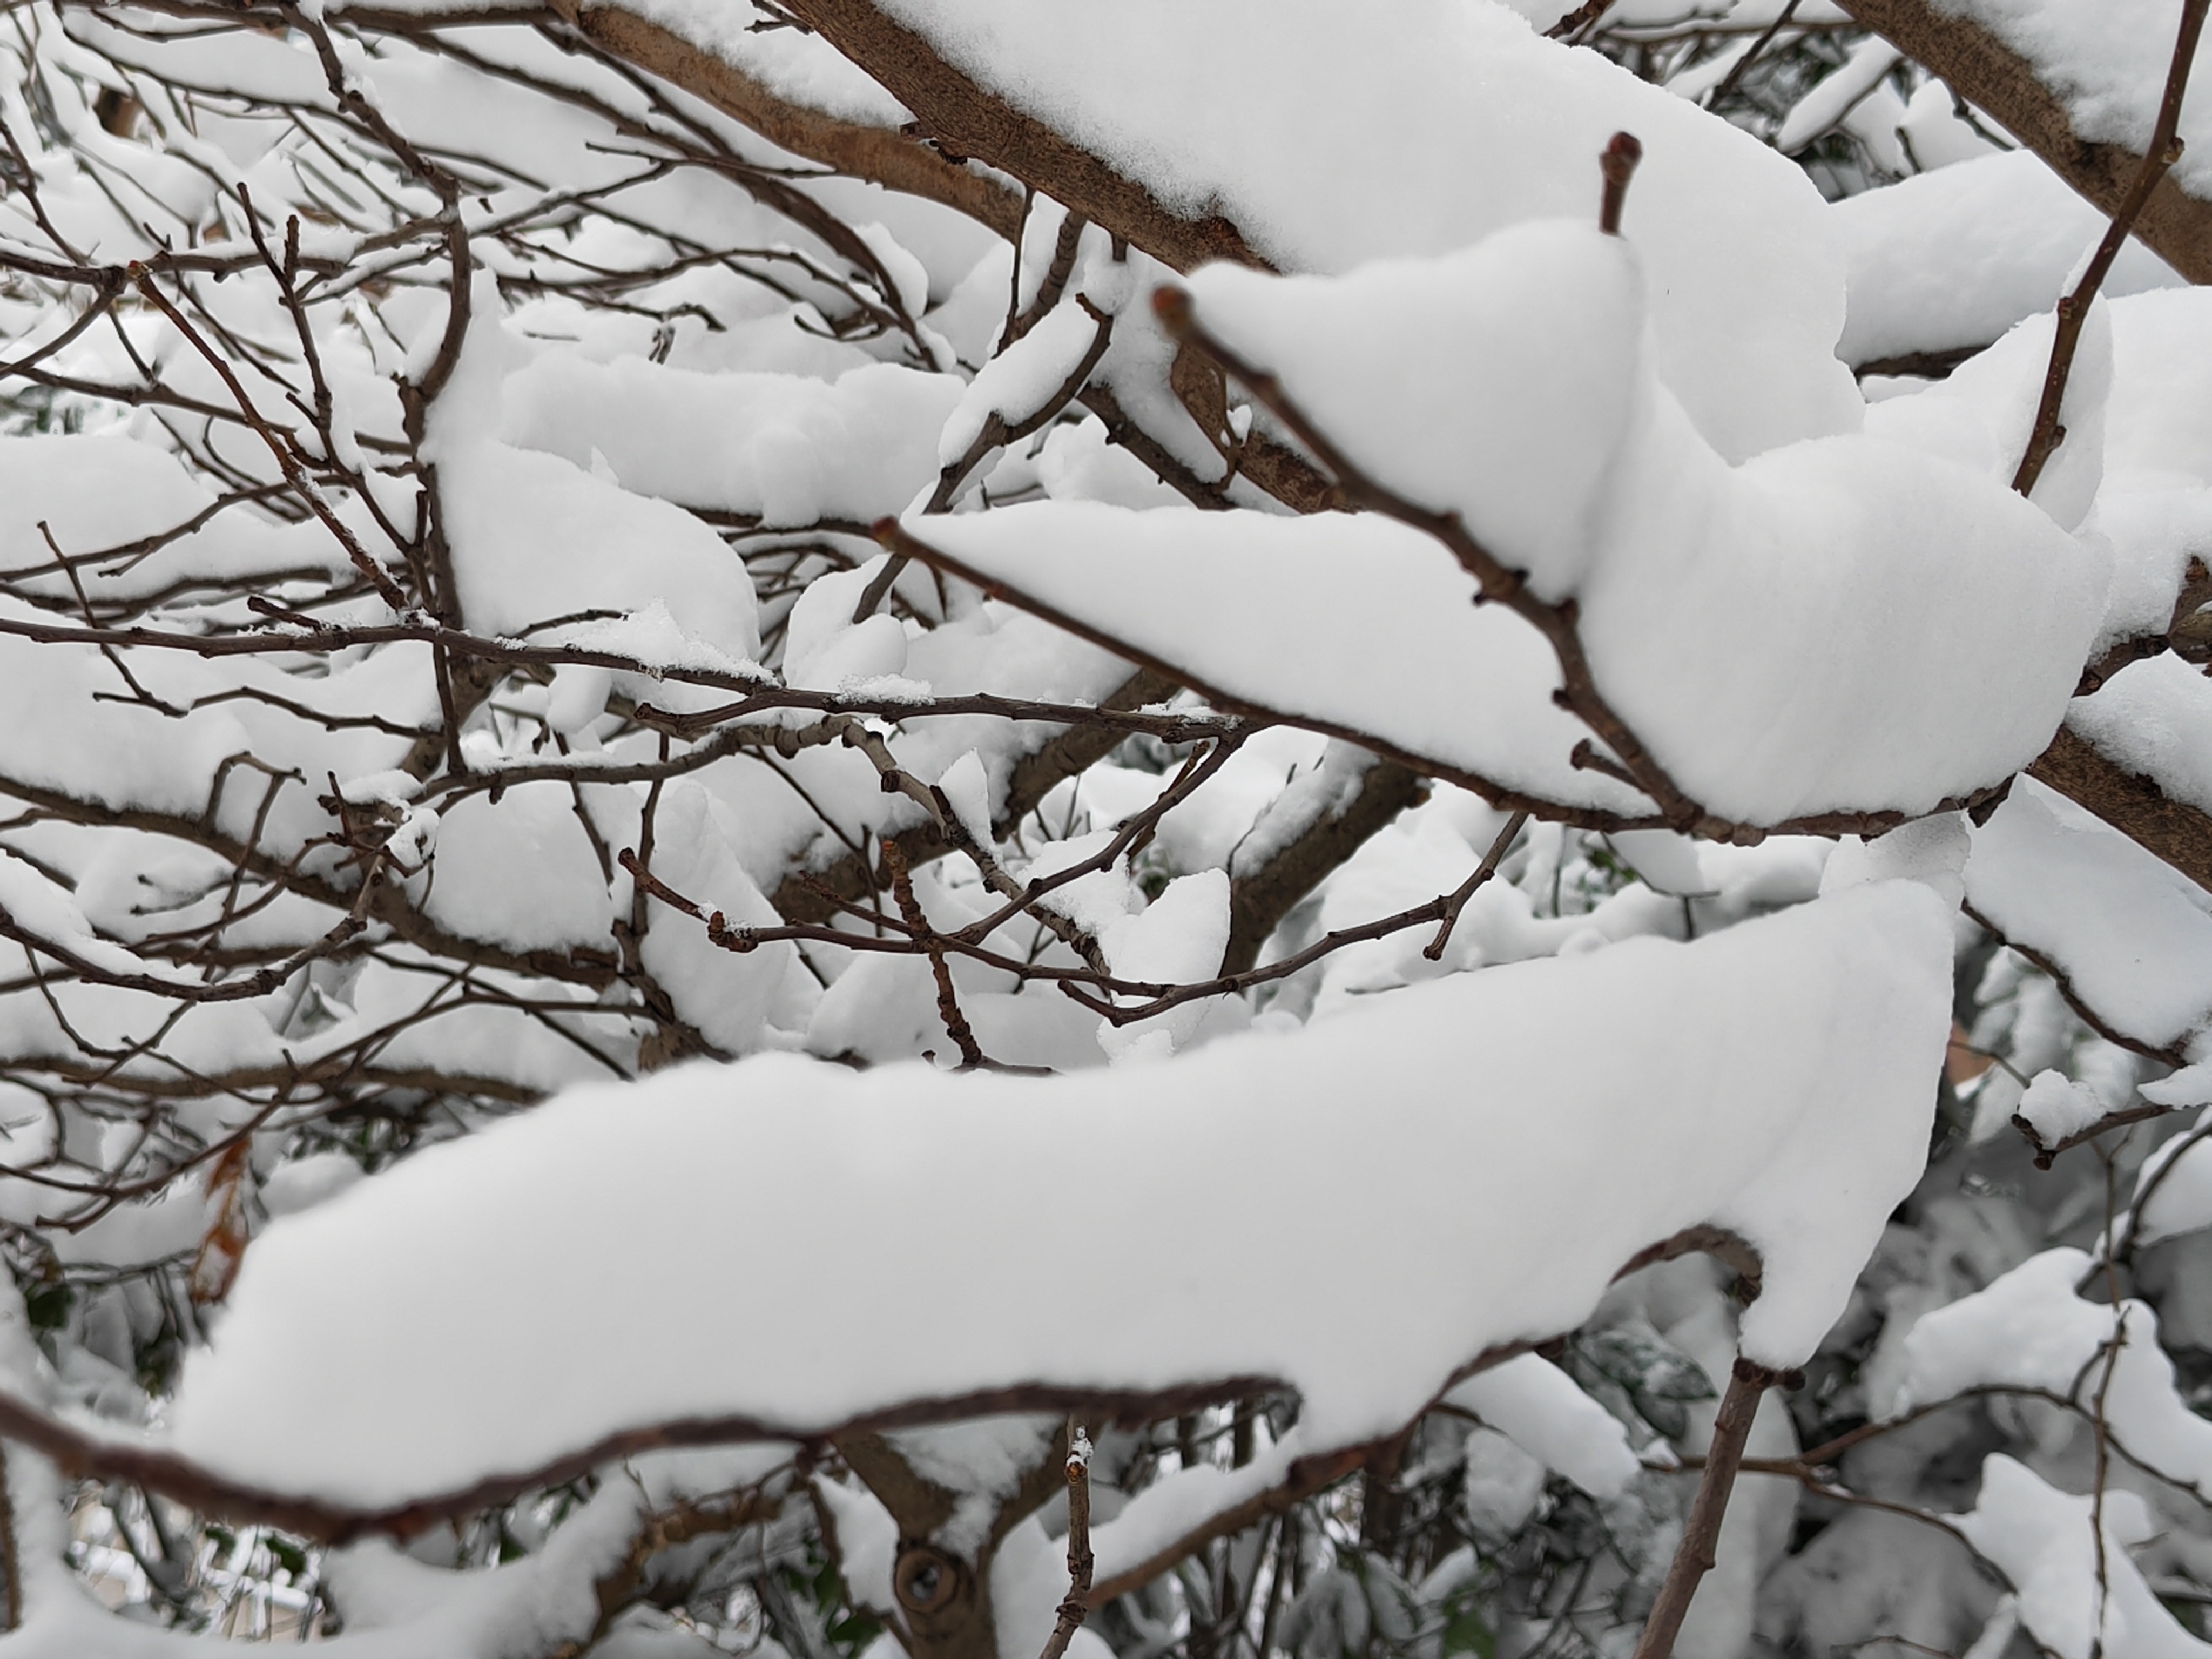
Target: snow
[2132, 935]
[2155, 718]
[1177, 938]
[535, 538]
[1452, 379]
[2153, 482]
[2056, 1107]
[984, 1461]
[1538, 1406]
[2107, 61]
[789, 448]
[1506, 384]
[521, 874]
[724, 993]
[2179, 1197]
[1742, 1084]
[1265, 617]
[1736, 238]
[1019, 382]
[1956, 257]
[794, 65]
[1819, 111]
[2029, 1329]
[2039, 1538]
[1502, 1484]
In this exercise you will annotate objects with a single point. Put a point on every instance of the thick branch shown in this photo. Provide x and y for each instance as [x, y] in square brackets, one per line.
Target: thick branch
[1259, 901]
[1983, 70]
[967, 120]
[86, 1452]
[880, 155]
[2135, 806]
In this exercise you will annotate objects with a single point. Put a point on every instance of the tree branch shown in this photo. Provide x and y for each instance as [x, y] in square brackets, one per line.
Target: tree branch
[1695, 1557]
[1983, 70]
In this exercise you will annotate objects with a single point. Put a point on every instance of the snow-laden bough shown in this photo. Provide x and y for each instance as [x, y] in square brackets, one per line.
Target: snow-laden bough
[666, 1252]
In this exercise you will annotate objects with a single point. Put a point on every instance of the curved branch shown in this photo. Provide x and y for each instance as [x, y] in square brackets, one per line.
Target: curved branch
[86, 1452]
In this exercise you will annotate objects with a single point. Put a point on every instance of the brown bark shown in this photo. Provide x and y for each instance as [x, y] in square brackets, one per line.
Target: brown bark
[881, 154]
[1701, 1531]
[1072, 750]
[1983, 70]
[967, 120]
[2135, 805]
[943, 1598]
[1259, 901]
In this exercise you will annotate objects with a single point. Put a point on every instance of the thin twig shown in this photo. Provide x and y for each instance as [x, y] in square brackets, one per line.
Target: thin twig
[948, 1004]
[1737, 71]
[1076, 1605]
[1434, 950]
[1695, 1557]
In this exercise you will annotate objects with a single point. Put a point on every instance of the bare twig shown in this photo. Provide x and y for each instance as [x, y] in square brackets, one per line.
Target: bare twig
[1694, 1558]
[1502, 844]
[2164, 151]
[948, 1004]
[1075, 1606]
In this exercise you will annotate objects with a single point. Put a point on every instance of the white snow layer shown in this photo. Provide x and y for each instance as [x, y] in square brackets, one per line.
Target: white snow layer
[2030, 1330]
[1844, 623]
[2040, 1539]
[1743, 256]
[1954, 258]
[1775, 1079]
[789, 448]
[1541, 1410]
[2107, 61]
[2132, 935]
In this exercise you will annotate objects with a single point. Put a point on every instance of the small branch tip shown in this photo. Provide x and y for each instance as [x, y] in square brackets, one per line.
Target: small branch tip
[1618, 163]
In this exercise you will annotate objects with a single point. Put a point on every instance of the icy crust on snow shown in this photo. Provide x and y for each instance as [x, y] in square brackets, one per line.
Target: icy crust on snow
[1775, 1079]
[789, 449]
[2107, 61]
[1956, 257]
[1742, 257]
[1356, 622]
[2041, 1539]
[2030, 1330]
[2132, 935]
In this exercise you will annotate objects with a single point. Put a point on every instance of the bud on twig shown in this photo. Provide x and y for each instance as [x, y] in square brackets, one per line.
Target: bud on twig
[1618, 163]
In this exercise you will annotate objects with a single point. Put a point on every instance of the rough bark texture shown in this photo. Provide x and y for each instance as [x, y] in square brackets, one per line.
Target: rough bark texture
[2135, 806]
[1258, 903]
[965, 120]
[1983, 70]
[893, 159]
